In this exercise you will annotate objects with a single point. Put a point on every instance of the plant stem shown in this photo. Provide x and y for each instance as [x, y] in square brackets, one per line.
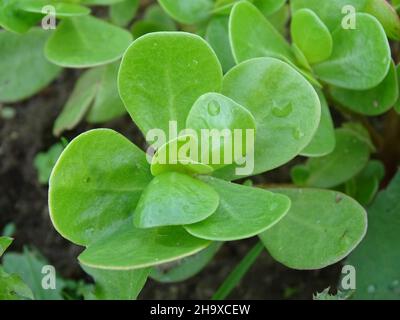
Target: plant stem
[237, 274]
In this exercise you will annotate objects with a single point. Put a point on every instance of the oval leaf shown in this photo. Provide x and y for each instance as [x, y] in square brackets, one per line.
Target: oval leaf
[311, 35]
[180, 155]
[13, 19]
[162, 75]
[86, 42]
[213, 111]
[330, 12]
[95, 184]
[387, 16]
[23, 68]
[174, 198]
[243, 212]
[107, 103]
[377, 259]
[321, 228]
[132, 248]
[252, 35]
[79, 101]
[361, 57]
[347, 159]
[286, 108]
[188, 11]
[323, 141]
[370, 102]
[217, 35]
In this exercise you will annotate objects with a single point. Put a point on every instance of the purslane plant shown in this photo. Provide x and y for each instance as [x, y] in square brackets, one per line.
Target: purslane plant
[79, 41]
[131, 215]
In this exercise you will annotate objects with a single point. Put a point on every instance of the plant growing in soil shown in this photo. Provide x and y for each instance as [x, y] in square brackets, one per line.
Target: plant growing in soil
[165, 212]
[131, 215]
[79, 41]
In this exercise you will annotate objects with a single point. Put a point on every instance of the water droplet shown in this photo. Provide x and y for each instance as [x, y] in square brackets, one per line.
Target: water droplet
[395, 286]
[195, 62]
[272, 206]
[371, 289]
[297, 134]
[375, 104]
[214, 108]
[282, 112]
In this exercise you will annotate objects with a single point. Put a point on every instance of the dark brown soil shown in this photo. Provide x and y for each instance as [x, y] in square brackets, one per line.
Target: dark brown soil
[24, 201]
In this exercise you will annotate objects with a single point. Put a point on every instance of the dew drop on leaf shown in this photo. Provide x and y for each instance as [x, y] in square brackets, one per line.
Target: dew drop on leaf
[371, 289]
[214, 108]
[282, 112]
[297, 134]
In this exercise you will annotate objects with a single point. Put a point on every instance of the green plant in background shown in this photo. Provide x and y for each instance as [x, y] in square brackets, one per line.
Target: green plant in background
[231, 67]
[79, 41]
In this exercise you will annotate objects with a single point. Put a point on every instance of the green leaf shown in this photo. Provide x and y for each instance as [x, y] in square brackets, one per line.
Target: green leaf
[397, 104]
[4, 244]
[13, 19]
[117, 284]
[280, 19]
[86, 42]
[62, 9]
[370, 102]
[311, 35]
[243, 212]
[107, 104]
[348, 158]
[95, 96]
[45, 161]
[132, 248]
[155, 13]
[123, 12]
[386, 15]
[361, 133]
[321, 228]
[286, 108]
[162, 75]
[79, 101]
[188, 11]
[100, 2]
[360, 58]
[323, 141]
[217, 35]
[142, 27]
[301, 58]
[176, 155]
[13, 288]
[23, 68]
[340, 295]
[269, 7]
[215, 111]
[365, 185]
[186, 268]
[96, 184]
[252, 35]
[29, 266]
[377, 259]
[330, 12]
[174, 198]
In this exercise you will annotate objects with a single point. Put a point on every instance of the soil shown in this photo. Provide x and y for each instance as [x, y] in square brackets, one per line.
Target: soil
[24, 201]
